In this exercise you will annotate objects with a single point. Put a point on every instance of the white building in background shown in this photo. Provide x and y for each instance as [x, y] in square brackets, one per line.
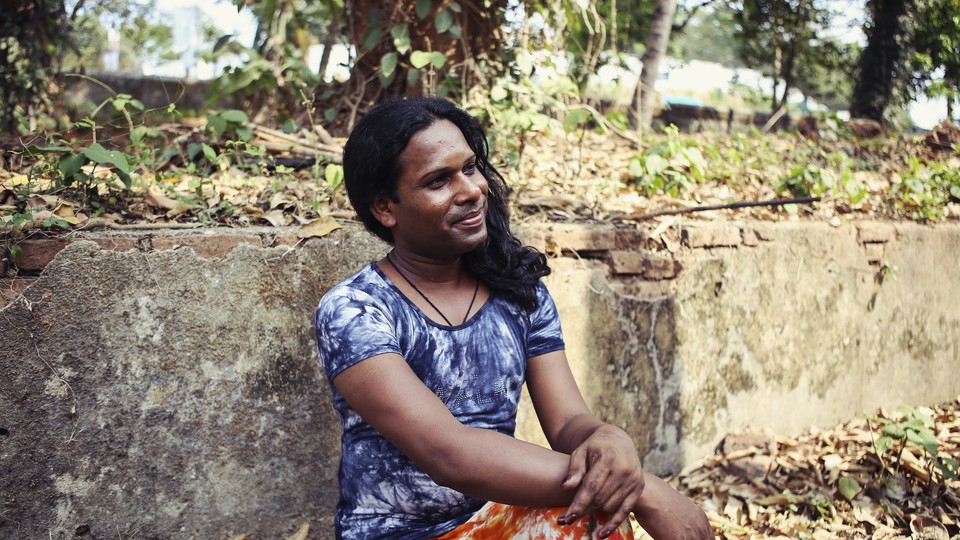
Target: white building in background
[187, 17]
[689, 82]
[111, 58]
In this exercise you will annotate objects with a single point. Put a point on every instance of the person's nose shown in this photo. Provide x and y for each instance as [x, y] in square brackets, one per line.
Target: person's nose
[471, 188]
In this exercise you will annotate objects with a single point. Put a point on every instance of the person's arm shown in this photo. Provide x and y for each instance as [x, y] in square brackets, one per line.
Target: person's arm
[665, 513]
[480, 463]
[604, 464]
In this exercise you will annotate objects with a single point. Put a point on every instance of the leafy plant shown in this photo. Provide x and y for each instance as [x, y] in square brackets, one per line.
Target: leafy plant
[925, 189]
[516, 107]
[913, 426]
[669, 166]
[66, 167]
[822, 173]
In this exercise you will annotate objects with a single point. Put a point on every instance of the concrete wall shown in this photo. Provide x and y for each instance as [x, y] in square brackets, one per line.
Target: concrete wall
[165, 386]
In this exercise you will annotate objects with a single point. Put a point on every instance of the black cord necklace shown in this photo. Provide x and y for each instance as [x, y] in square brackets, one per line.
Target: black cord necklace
[405, 278]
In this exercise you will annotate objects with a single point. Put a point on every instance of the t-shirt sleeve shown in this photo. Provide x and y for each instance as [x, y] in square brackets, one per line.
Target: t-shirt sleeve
[545, 334]
[351, 327]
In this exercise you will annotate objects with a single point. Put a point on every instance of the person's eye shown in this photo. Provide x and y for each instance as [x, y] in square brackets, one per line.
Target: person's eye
[438, 182]
[469, 169]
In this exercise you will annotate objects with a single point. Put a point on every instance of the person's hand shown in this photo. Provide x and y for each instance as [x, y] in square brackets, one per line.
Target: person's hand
[605, 470]
[664, 513]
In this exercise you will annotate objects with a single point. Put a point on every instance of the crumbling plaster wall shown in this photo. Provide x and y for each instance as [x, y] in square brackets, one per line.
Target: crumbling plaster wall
[163, 395]
[815, 324]
[156, 393]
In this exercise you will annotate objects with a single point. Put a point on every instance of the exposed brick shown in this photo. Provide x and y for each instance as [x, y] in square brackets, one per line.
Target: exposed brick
[285, 240]
[36, 253]
[208, 246]
[658, 268]
[750, 237]
[630, 238]
[874, 252]
[10, 289]
[581, 237]
[115, 243]
[652, 267]
[712, 236]
[874, 233]
[626, 262]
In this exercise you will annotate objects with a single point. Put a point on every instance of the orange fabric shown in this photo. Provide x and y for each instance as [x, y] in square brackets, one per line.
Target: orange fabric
[497, 521]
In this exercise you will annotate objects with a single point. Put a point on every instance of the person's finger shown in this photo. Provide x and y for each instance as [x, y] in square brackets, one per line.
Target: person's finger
[576, 469]
[583, 501]
[617, 518]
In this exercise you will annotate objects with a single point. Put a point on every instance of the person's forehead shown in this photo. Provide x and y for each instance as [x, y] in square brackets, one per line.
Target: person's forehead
[441, 140]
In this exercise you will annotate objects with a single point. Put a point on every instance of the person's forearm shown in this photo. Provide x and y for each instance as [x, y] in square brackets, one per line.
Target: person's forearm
[492, 466]
[664, 513]
[576, 430]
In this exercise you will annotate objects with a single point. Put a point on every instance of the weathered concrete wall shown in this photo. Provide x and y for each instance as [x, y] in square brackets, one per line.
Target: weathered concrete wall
[815, 324]
[147, 391]
[163, 395]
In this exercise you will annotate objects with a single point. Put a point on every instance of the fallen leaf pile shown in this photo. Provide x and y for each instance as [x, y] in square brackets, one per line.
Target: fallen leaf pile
[834, 483]
[582, 176]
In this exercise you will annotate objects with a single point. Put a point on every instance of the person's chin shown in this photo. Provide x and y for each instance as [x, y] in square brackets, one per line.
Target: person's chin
[473, 239]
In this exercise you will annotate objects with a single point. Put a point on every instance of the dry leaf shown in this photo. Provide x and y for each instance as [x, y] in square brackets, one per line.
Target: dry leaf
[275, 217]
[157, 199]
[318, 228]
[301, 533]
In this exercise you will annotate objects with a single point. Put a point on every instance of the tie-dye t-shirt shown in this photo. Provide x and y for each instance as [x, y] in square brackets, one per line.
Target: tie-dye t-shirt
[477, 369]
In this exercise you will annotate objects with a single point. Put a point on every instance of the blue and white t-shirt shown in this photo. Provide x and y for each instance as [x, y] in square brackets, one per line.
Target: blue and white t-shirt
[477, 369]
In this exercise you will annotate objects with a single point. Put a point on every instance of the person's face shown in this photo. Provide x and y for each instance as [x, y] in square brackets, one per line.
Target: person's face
[442, 196]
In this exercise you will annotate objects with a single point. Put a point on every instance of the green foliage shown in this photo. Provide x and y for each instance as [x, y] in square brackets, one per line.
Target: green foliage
[669, 166]
[936, 44]
[142, 38]
[778, 37]
[31, 37]
[913, 426]
[709, 36]
[231, 123]
[821, 173]
[516, 107]
[333, 175]
[925, 188]
[276, 76]
[97, 175]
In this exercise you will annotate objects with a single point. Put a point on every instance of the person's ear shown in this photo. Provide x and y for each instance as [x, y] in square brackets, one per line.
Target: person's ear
[382, 209]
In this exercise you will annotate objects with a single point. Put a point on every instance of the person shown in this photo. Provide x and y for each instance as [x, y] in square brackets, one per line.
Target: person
[427, 349]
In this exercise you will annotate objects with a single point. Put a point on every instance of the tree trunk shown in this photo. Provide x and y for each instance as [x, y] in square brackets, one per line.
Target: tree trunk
[660, 25]
[480, 41]
[881, 60]
[786, 71]
[325, 56]
[775, 73]
[37, 32]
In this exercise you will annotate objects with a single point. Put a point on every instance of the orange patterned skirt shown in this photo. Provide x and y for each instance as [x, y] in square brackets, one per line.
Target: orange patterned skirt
[496, 521]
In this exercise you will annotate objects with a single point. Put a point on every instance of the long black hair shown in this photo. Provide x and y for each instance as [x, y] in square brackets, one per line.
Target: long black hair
[371, 169]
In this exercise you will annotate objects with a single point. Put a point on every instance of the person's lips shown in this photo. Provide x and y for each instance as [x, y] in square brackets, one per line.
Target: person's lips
[472, 218]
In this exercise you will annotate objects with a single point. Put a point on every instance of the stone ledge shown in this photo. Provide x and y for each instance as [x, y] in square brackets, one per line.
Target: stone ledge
[648, 266]
[573, 237]
[875, 233]
[36, 253]
[207, 246]
[719, 235]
